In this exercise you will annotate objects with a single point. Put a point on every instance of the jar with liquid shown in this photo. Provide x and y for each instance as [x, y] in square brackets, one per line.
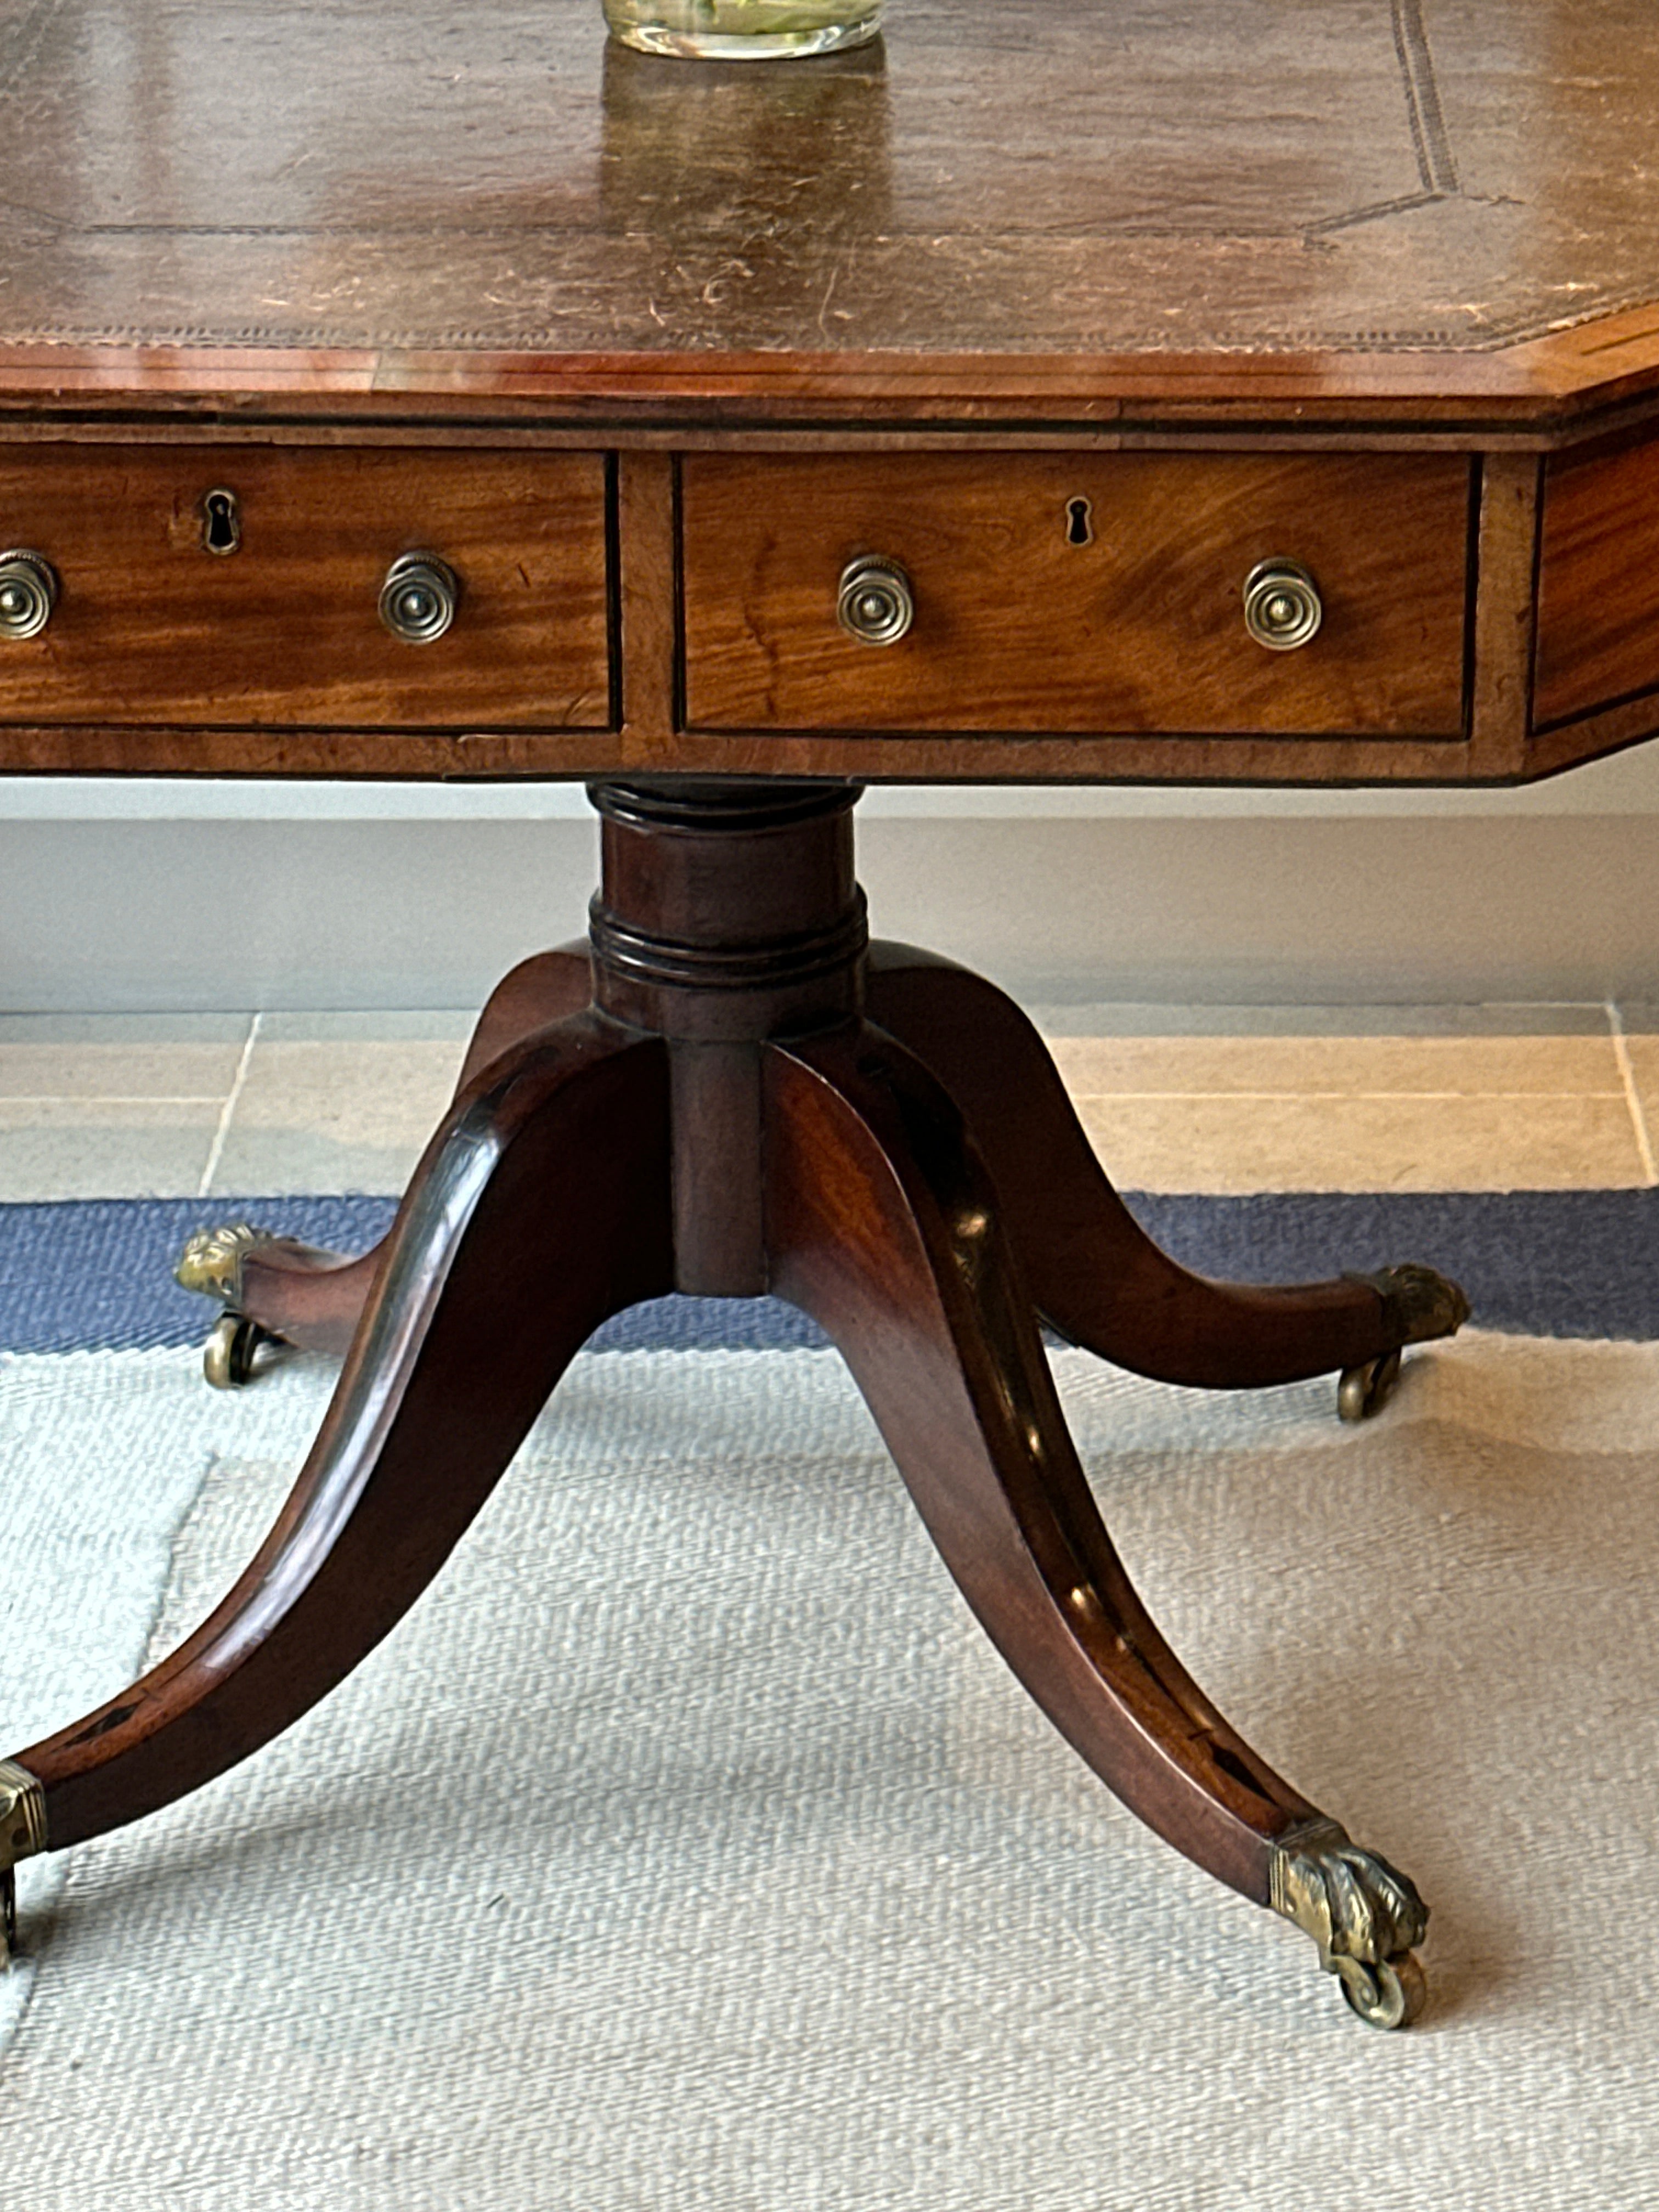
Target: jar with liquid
[743, 30]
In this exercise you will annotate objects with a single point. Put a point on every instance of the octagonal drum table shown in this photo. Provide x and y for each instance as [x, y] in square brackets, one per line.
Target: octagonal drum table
[1046, 393]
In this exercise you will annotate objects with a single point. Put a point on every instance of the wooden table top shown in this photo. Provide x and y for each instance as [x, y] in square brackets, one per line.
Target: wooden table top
[1037, 209]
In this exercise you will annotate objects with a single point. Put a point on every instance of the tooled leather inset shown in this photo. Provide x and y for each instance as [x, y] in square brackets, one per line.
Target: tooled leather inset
[1325, 203]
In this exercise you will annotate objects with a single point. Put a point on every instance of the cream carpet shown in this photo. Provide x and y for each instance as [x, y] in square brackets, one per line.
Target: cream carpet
[688, 1847]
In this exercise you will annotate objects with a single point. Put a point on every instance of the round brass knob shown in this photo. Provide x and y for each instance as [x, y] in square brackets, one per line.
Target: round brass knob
[874, 603]
[28, 592]
[419, 598]
[1282, 605]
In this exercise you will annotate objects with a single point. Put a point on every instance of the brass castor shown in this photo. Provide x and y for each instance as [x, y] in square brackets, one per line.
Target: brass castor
[1419, 1304]
[211, 1264]
[1362, 1913]
[1365, 1390]
[229, 1355]
[1390, 1994]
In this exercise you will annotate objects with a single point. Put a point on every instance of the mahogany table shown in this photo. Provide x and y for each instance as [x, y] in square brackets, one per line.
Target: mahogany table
[1054, 393]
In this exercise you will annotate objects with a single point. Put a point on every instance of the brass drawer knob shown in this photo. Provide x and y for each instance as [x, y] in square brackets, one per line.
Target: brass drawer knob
[419, 598]
[28, 592]
[874, 603]
[1282, 605]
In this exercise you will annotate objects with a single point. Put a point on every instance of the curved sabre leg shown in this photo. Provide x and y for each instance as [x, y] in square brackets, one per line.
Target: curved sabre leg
[882, 1224]
[540, 1209]
[1093, 1270]
[275, 1286]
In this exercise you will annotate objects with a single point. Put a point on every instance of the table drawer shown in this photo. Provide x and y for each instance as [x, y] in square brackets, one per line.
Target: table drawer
[1598, 583]
[150, 627]
[1076, 593]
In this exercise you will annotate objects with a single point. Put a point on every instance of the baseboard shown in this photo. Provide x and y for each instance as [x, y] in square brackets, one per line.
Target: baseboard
[147, 895]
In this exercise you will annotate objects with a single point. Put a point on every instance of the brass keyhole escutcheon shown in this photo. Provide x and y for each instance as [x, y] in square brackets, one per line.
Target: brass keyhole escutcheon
[221, 521]
[1079, 522]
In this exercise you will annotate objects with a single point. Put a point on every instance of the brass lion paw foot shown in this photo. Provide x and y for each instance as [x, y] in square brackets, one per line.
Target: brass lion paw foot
[211, 1265]
[1365, 1915]
[1420, 1305]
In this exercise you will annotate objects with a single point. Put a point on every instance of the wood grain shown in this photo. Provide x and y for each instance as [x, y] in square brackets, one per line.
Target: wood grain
[151, 629]
[313, 1298]
[647, 551]
[1017, 629]
[1092, 1271]
[1589, 737]
[1598, 582]
[1506, 559]
[884, 1226]
[541, 1209]
[434, 288]
[785, 1144]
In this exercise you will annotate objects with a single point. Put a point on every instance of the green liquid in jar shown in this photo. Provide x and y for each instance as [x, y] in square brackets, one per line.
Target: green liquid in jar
[743, 30]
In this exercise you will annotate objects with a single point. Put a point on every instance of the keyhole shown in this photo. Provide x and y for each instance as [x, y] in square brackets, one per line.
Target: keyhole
[1079, 525]
[222, 522]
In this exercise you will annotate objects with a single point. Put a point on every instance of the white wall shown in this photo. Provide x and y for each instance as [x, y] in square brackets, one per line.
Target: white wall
[147, 894]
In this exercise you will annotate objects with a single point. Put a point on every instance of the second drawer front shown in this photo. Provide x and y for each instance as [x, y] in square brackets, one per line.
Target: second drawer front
[1019, 627]
[150, 627]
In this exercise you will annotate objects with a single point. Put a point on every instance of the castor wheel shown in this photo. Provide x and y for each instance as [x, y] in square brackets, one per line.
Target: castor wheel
[228, 1357]
[1365, 1915]
[1365, 1390]
[1390, 1994]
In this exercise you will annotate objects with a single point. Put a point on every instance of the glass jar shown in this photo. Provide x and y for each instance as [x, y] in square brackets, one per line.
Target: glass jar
[743, 30]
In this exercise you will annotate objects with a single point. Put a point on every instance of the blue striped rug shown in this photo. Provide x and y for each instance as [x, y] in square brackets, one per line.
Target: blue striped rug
[97, 1274]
